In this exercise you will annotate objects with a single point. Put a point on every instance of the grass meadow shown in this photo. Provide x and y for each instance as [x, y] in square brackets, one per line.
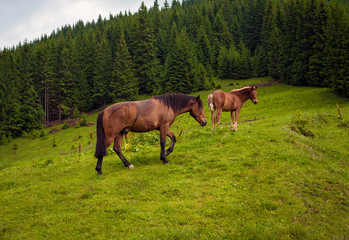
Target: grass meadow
[284, 175]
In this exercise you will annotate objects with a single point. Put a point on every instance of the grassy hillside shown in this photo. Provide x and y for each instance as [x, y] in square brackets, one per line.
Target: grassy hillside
[265, 181]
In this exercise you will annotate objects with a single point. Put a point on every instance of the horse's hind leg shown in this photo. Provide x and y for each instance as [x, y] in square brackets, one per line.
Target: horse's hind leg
[117, 149]
[173, 142]
[218, 116]
[98, 168]
[99, 165]
[213, 118]
[212, 109]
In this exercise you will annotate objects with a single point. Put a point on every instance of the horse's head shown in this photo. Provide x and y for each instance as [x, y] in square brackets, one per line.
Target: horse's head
[197, 111]
[253, 95]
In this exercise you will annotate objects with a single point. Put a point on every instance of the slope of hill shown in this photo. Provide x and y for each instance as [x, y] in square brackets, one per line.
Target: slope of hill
[282, 176]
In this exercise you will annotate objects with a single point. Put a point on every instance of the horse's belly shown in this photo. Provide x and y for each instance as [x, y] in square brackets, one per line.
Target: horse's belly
[227, 107]
[144, 126]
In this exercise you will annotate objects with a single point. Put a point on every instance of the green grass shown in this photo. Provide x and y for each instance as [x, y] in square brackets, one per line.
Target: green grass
[265, 181]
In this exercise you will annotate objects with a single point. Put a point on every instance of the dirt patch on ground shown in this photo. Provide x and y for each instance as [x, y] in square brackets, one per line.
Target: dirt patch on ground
[266, 84]
[53, 130]
[53, 123]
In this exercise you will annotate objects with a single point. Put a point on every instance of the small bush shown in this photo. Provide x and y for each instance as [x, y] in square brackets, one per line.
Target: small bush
[76, 113]
[343, 123]
[36, 133]
[4, 139]
[301, 123]
[65, 125]
[83, 119]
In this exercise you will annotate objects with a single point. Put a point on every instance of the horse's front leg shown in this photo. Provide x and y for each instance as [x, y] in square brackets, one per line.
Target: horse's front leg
[232, 120]
[173, 142]
[117, 149]
[237, 111]
[163, 134]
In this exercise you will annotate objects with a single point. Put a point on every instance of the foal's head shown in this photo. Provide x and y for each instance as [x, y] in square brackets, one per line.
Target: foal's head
[197, 111]
[253, 95]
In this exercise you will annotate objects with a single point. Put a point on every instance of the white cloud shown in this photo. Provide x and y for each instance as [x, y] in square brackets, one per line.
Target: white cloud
[30, 19]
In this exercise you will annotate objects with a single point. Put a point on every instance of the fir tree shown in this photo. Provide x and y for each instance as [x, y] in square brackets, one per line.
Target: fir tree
[317, 62]
[123, 85]
[337, 49]
[203, 48]
[181, 66]
[103, 73]
[145, 61]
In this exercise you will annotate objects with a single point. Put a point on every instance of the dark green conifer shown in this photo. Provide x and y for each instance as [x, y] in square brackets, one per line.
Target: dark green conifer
[123, 84]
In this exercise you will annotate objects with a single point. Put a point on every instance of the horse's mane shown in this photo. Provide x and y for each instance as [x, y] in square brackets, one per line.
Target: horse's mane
[177, 101]
[241, 89]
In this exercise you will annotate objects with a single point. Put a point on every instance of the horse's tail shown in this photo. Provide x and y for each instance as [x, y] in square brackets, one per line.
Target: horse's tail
[100, 145]
[210, 102]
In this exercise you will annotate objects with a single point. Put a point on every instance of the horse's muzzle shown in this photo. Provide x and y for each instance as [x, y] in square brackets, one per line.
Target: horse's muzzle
[203, 123]
[255, 102]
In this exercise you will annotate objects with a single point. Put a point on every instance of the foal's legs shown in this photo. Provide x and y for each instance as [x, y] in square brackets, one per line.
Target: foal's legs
[235, 127]
[218, 117]
[213, 118]
[232, 120]
[117, 149]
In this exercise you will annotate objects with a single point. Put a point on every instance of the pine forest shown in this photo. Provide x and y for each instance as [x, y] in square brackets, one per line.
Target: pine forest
[177, 47]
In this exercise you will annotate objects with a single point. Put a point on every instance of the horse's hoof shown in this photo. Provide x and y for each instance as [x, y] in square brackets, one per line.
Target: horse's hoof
[130, 166]
[165, 161]
[99, 173]
[233, 129]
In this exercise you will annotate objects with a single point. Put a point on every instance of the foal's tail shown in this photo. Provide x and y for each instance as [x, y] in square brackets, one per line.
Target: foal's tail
[100, 145]
[210, 102]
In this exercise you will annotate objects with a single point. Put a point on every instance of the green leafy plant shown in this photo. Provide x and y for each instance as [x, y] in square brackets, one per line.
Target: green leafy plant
[83, 119]
[301, 123]
[65, 125]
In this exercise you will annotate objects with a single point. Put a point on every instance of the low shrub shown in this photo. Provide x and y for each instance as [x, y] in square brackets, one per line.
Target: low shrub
[302, 123]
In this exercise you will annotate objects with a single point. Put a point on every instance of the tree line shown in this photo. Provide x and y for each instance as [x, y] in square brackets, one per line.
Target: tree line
[171, 48]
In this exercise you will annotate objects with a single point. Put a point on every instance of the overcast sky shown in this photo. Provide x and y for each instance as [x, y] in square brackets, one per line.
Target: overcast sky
[29, 19]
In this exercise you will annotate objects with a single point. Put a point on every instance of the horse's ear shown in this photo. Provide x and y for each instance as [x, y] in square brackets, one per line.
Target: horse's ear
[254, 87]
[198, 98]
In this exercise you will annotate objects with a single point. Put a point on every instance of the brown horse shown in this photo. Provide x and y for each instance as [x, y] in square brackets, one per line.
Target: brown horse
[230, 102]
[157, 113]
